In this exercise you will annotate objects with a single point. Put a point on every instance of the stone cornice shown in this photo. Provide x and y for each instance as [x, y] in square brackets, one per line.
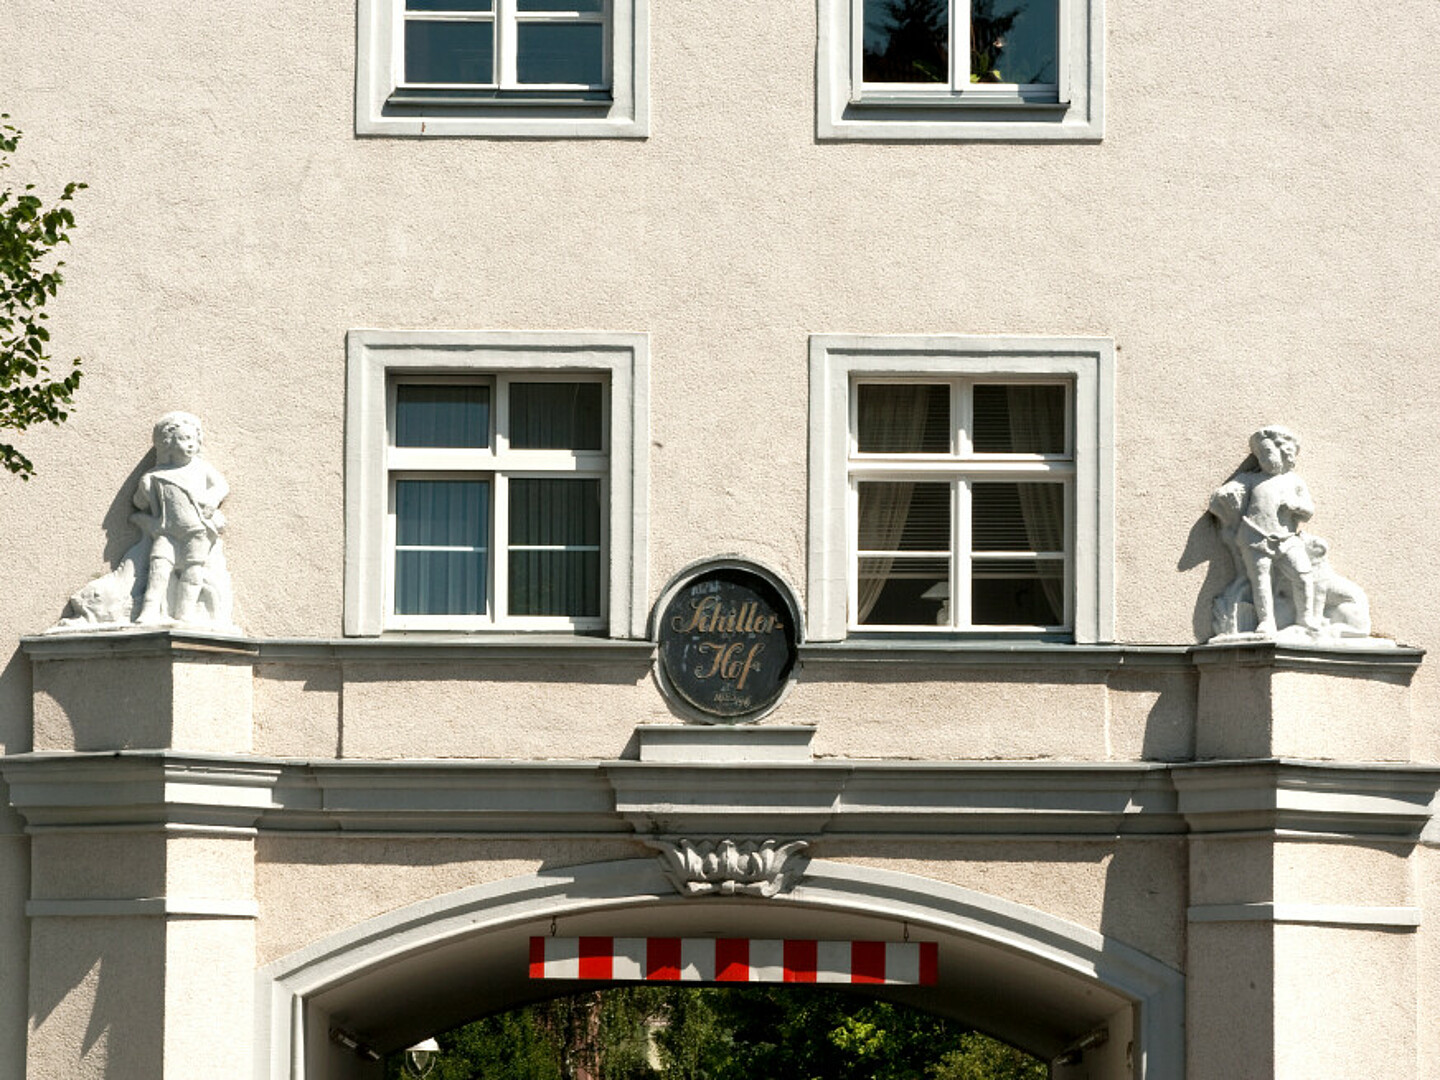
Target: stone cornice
[407, 648]
[1373, 800]
[827, 799]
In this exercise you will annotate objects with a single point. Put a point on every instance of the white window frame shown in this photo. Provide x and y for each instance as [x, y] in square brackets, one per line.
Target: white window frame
[1071, 110]
[959, 468]
[386, 105]
[378, 359]
[839, 361]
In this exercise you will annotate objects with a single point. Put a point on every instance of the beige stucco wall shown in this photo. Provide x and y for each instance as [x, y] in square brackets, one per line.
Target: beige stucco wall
[1256, 256]
[1232, 243]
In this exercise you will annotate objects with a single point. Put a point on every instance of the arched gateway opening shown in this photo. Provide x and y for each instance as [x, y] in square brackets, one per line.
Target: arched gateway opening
[1043, 984]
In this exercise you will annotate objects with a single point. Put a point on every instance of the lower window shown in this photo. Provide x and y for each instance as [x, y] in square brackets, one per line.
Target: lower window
[494, 482]
[497, 500]
[960, 485]
[960, 496]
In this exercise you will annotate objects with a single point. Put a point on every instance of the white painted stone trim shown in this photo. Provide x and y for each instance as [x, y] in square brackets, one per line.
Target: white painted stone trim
[199, 908]
[1089, 362]
[377, 70]
[283, 986]
[916, 801]
[1405, 918]
[1081, 117]
[373, 355]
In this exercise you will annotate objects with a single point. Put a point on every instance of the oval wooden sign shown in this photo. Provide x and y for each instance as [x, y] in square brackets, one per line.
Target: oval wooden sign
[727, 646]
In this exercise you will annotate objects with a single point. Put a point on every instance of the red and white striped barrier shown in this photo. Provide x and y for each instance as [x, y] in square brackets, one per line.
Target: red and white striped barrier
[735, 960]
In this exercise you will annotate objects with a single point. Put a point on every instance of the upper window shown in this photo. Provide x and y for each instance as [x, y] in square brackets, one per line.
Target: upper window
[502, 67]
[495, 482]
[960, 485]
[960, 69]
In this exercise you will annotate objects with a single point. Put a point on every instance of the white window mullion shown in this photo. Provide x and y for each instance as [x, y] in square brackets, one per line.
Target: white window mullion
[500, 550]
[960, 44]
[960, 590]
[506, 50]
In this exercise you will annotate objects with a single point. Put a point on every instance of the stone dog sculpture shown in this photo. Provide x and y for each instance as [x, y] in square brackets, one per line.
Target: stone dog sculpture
[1284, 587]
[175, 574]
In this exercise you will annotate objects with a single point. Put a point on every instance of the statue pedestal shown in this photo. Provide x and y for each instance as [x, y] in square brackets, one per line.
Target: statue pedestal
[1262, 699]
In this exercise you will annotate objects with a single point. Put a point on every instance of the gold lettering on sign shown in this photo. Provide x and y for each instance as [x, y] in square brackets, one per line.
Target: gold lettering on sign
[709, 616]
[730, 661]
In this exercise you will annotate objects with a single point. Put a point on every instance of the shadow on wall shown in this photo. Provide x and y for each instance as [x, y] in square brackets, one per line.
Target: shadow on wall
[16, 690]
[1203, 545]
[120, 534]
[80, 967]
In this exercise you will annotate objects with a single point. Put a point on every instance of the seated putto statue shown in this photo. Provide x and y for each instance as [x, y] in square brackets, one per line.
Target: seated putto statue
[175, 574]
[1284, 588]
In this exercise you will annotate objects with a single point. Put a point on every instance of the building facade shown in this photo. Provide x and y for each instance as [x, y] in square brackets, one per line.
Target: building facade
[661, 504]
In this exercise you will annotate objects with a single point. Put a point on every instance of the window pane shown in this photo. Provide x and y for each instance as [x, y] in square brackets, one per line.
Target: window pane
[1014, 41]
[453, 514]
[904, 516]
[1017, 592]
[440, 582]
[560, 53]
[555, 416]
[449, 52]
[447, 5]
[554, 512]
[907, 41]
[904, 592]
[1019, 419]
[442, 513]
[903, 419]
[1017, 517]
[555, 583]
[442, 415]
[561, 5]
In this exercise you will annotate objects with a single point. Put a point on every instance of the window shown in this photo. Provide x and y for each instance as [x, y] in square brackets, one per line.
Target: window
[960, 485]
[563, 68]
[960, 69]
[492, 483]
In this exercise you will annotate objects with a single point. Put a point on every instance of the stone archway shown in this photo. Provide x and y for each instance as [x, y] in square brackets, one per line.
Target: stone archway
[1039, 982]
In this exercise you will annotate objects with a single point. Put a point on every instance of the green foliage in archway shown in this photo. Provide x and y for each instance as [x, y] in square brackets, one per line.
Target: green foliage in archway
[750, 1033]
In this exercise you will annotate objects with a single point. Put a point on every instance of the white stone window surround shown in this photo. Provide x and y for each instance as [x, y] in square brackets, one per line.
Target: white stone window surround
[375, 357]
[846, 110]
[384, 107]
[838, 360]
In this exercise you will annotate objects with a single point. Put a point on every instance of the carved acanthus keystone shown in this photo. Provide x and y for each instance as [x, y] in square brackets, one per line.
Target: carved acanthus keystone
[731, 868]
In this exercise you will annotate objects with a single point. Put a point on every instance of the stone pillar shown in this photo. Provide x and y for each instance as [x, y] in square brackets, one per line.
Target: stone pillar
[1302, 944]
[142, 857]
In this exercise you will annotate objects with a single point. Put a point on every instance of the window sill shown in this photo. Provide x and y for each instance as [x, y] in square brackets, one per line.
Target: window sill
[502, 114]
[958, 118]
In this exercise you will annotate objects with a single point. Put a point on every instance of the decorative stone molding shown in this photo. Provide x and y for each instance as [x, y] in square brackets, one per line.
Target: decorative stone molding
[1284, 588]
[175, 574]
[730, 868]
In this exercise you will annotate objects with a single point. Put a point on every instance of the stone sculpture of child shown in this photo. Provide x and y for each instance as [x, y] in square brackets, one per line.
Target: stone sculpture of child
[1267, 534]
[179, 504]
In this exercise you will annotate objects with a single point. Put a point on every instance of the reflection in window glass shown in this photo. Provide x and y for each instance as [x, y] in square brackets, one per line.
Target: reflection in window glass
[1019, 419]
[556, 415]
[587, 6]
[907, 41]
[449, 52]
[904, 592]
[555, 530]
[570, 53]
[1014, 41]
[904, 516]
[442, 415]
[1017, 592]
[1017, 517]
[448, 5]
[898, 418]
[441, 549]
